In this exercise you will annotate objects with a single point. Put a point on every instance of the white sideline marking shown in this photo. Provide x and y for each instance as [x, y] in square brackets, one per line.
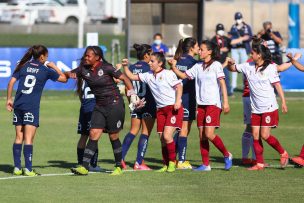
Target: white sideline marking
[129, 170]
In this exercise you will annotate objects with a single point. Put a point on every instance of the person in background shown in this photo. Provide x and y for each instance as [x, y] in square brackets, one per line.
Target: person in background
[239, 51]
[157, 45]
[273, 40]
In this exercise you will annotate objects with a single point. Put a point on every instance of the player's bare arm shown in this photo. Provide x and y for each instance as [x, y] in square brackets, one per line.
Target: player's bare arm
[282, 96]
[9, 100]
[178, 96]
[295, 62]
[179, 74]
[62, 77]
[231, 65]
[226, 107]
[127, 72]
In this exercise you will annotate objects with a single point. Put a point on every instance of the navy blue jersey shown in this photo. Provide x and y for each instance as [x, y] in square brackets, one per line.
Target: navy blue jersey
[142, 89]
[88, 99]
[185, 63]
[32, 78]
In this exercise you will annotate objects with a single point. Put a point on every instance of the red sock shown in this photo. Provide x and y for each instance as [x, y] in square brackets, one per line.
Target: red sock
[274, 142]
[258, 149]
[302, 152]
[218, 143]
[165, 155]
[171, 151]
[204, 146]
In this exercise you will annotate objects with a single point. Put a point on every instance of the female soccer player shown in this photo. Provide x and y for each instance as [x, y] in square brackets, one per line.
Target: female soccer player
[186, 50]
[141, 118]
[32, 72]
[262, 77]
[167, 91]
[209, 82]
[108, 114]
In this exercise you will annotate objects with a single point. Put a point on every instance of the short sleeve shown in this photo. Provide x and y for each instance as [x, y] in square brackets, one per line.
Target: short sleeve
[52, 75]
[16, 75]
[173, 80]
[241, 68]
[116, 73]
[76, 70]
[273, 74]
[219, 71]
[192, 72]
[143, 77]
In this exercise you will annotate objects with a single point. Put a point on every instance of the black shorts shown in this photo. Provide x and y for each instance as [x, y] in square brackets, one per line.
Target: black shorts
[110, 118]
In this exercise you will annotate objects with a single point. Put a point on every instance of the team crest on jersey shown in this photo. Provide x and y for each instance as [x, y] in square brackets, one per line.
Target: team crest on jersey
[15, 119]
[88, 74]
[79, 126]
[160, 79]
[267, 119]
[118, 124]
[173, 119]
[29, 117]
[100, 72]
[208, 119]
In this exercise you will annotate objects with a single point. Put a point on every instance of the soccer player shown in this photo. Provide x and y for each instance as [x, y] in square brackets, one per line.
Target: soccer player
[143, 118]
[84, 123]
[32, 72]
[299, 160]
[262, 78]
[108, 114]
[209, 82]
[167, 91]
[186, 50]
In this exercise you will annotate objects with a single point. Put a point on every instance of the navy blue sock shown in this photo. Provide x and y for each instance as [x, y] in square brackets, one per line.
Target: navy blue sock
[94, 159]
[182, 148]
[28, 155]
[80, 153]
[142, 148]
[175, 139]
[126, 144]
[17, 148]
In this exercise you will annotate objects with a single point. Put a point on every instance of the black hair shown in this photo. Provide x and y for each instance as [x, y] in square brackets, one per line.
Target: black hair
[265, 54]
[160, 58]
[33, 52]
[97, 51]
[142, 50]
[184, 46]
[215, 55]
[158, 34]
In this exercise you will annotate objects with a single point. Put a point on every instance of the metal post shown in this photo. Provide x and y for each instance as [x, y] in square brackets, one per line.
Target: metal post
[128, 24]
[81, 6]
[200, 21]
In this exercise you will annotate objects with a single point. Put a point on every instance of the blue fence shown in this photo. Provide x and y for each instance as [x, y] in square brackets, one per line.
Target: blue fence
[65, 58]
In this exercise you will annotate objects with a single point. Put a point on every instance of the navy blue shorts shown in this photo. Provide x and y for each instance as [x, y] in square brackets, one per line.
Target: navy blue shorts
[26, 117]
[84, 122]
[189, 108]
[148, 111]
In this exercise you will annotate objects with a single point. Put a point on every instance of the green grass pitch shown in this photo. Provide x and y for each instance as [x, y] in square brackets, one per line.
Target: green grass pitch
[55, 153]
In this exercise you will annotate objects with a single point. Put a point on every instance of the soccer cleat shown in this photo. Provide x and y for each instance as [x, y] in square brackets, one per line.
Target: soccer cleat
[163, 169]
[171, 167]
[123, 165]
[202, 168]
[141, 167]
[228, 162]
[184, 165]
[80, 170]
[26, 172]
[94, 169]
[257, 167]
[246, 161]
[117, 171]
[17, 171]
[298, 160]
[284, 159]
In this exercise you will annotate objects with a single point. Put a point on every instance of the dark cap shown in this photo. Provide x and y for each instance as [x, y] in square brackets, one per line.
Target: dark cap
[237, 16]
[219, 27]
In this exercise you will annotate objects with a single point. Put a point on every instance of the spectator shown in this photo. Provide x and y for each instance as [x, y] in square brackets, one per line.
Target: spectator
[242, 32]
[273, 40]
[157, 45]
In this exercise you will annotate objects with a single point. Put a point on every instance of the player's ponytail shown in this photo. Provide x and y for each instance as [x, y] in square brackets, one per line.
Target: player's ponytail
[215, 54]
[184, 46]
[160, 58]
[33, 52]
[142, 50]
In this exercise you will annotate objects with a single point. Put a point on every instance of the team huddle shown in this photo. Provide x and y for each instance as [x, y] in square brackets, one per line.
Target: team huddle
[190, 90]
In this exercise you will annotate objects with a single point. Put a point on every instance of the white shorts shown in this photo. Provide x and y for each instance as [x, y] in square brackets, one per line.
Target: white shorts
[247, 110]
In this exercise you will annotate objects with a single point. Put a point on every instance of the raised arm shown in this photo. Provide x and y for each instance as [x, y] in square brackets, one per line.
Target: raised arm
[231, 65]
[294, 61]
[9, 100]
[179, 73]
[127, 72]
[226, 107]
[62, 77]
[285, 66]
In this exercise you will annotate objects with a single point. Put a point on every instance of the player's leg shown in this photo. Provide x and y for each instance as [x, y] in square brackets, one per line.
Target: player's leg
[247, 138]
[204, 149]
[17, 149]
[258, 148]
[182, 145]
[168, 137]
[117, 151]
[147, 126]
[80, 147]
[299, 160]
[165, 154]
[29, 135]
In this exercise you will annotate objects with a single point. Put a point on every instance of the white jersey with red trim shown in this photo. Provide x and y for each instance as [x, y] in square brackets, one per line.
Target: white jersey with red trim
[207, 87]
[261, 87]
[162, 86]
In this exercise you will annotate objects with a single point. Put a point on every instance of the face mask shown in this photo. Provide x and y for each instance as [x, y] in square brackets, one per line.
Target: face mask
[221, 32]
[157, 41]
[239, 21]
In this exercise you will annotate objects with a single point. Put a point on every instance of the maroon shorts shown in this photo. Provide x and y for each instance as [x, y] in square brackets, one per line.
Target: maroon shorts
[208, 115]
[268, 119]
[167, 116]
